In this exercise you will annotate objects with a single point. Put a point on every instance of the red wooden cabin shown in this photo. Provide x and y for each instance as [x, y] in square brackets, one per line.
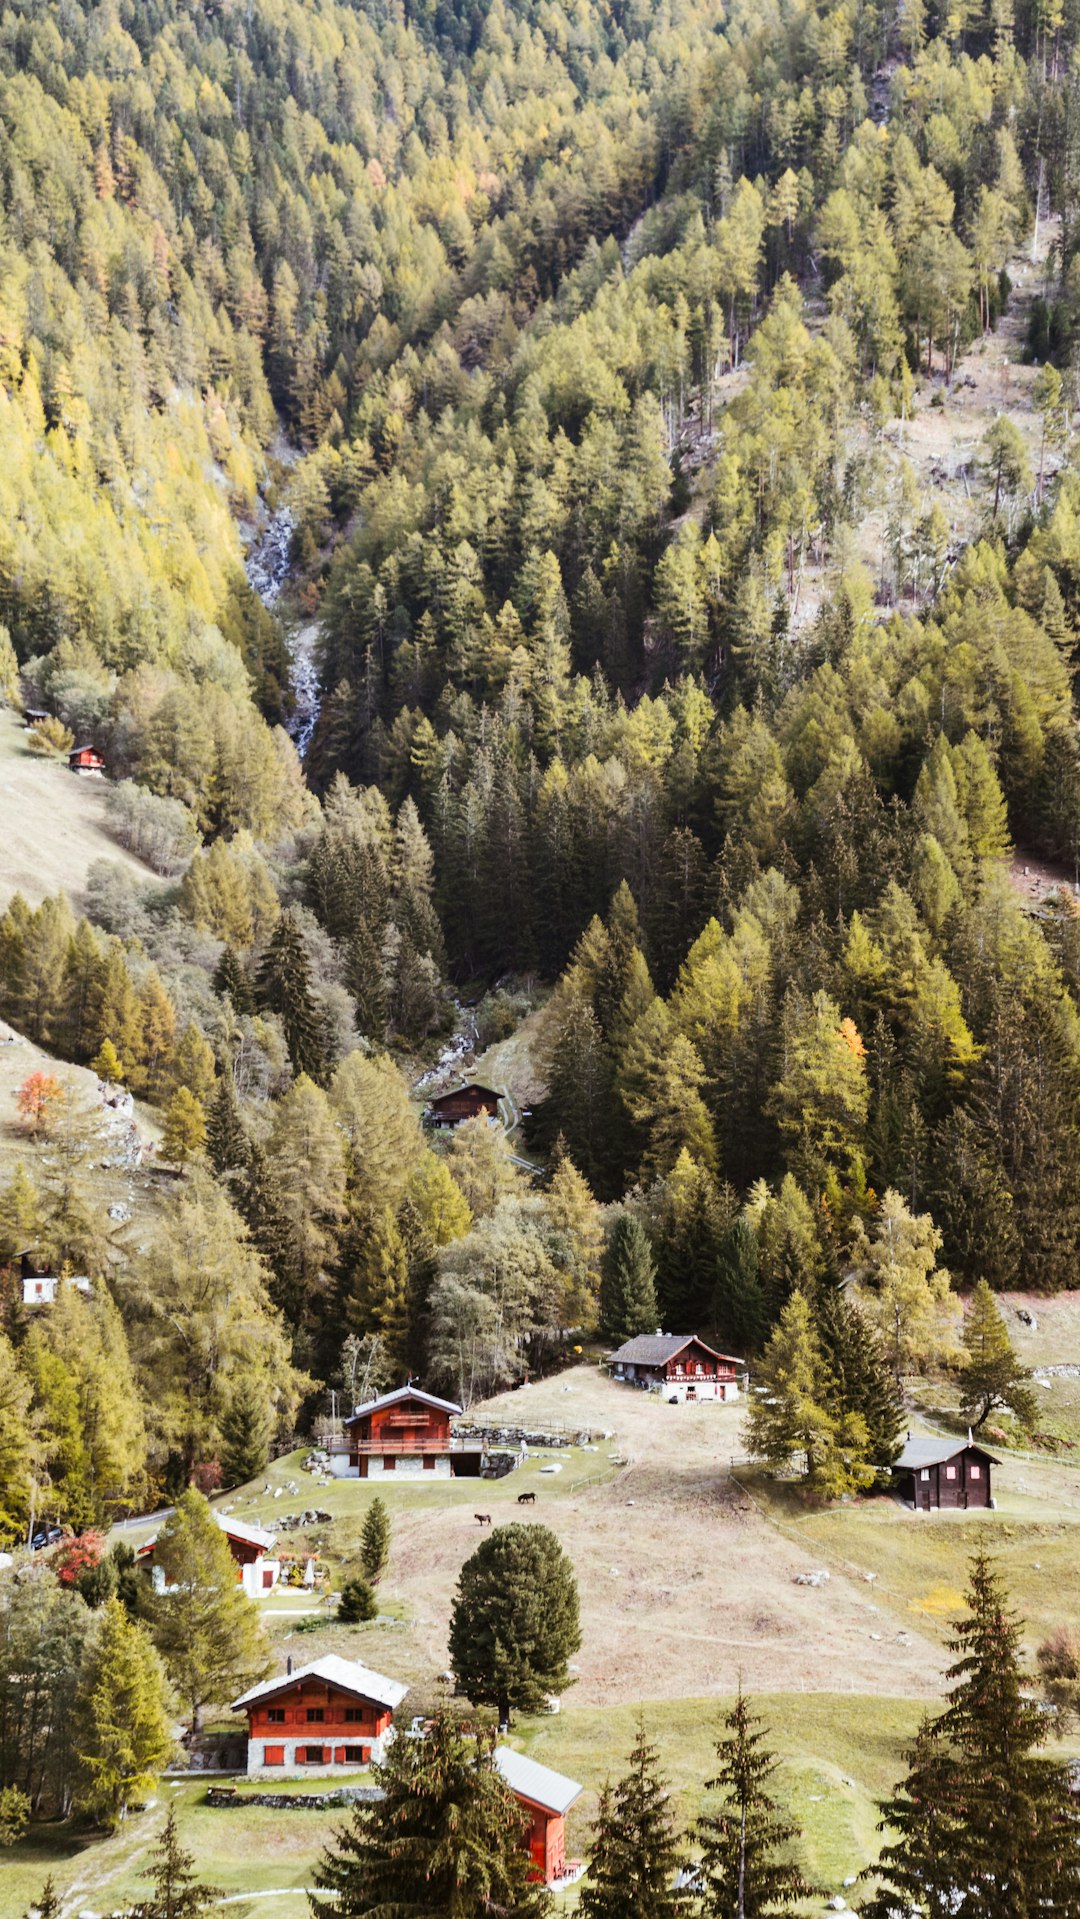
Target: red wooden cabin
[84, 759]
[407, 1431]
[463, 1102]
[333, 1713]
[547, 1797]
[250, 1546]
[679, 1365]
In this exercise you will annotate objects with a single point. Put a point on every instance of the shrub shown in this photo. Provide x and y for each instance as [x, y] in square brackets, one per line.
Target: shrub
[358, 1603]
[14, 1814]
[50, 738]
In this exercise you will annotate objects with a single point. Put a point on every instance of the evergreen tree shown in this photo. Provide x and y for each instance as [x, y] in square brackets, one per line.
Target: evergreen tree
[247, 1426]
[283, 986]
[231, 981]
[177, 1894]
[375, 1539]
[226, 1139]
[358, 1603]
[446, 1840]
[635, 1853]
[740, 1300]
[184, 1135]
[627, 1282]
[790, 1417]
[205, 1627]
[985, 1825]
[991, 1375]
[515, 1622]
[47, 1904]
[125, 1739]
[744, 1874]
[862, 1379]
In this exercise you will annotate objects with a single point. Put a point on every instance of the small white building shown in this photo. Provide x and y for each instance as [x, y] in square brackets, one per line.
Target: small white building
[250, 1546]
[40, 1289]
[330, 1716]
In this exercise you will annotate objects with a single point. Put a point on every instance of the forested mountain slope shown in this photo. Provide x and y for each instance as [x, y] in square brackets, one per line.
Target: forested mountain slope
[576, 342]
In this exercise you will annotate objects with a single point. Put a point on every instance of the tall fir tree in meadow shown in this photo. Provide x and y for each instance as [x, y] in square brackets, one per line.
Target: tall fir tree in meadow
[627, 1282]
[991, 1374]
[247, 1427]
[124, 1738]
[283, 986]
[984, 1824]
[206, 1628]
[636, 1852]
[177, 1893]
[746, 1871]
[515, 1623]
[445, 1841]
[375, 1539]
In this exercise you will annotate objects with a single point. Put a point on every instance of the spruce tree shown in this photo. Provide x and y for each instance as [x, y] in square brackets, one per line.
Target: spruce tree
[227, 1143]
[184, 1134]
[740, 1299]
[247, 1426]
[124, 1737]
[283, 986]
[177, 1894]
[515, 1621]
[627, 1282]
[231, 981]
[446, 1841]
[790, 1411]
[364, 979]
[744, 1874]
[636, 1852]
[375, 1539]
[986, 1826]
[992, 1375]
[205, 1627]
[47, 1904]
[862, 1380]
[358, 1603]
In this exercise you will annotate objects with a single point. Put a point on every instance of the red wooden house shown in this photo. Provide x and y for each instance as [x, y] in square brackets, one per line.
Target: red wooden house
[330, 1714]
[406, 1432]
[678, 1365]
[462, 1102]
[547, 1797]
[250, 1547]
[84, 759]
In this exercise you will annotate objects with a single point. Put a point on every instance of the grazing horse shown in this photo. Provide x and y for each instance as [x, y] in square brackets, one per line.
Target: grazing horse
[484, 1519]
[526, 1499]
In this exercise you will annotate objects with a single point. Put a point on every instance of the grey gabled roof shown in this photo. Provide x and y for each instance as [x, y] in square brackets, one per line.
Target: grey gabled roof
[655, 1349]
[535, 1782]
[346, 1673]
[394, 1399]
[934, 1452]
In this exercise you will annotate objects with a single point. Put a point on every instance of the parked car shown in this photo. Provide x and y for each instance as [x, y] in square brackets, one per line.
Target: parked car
[44, 1536]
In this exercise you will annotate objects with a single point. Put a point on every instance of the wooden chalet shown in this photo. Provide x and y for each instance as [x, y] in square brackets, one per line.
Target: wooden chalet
[405, 1432]
[85, 759]
[251, 1548]
[547, 1797]
[462, 1102]
[678, 1365]
[40, 1285]
[331, 1714]
[939, 1475]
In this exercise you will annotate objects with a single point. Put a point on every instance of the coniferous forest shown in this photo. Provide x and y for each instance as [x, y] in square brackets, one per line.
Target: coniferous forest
[666, 720]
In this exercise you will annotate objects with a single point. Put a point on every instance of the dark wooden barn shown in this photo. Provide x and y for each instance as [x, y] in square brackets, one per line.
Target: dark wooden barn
[944, 1475]
[463, 1102]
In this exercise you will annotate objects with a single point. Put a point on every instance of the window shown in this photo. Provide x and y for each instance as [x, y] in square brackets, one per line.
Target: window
[429, 1462]
[699, 1370]
[353, 1714]
[388, 1463]
[310, 1755]
[316, 1715]
[950, 1472]
[976, 1472]
[273, 1755]
[357, 1755]
[925, 1474]
[276, 1715]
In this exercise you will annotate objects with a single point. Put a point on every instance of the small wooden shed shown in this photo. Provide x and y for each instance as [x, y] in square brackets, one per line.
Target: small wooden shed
[547, 1797]
[935, 1475]
[463, 1102]
[85, 759]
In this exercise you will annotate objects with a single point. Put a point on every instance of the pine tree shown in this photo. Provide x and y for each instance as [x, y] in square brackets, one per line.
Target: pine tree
[446, 1841]
[177, 1894]
[515, 1621]
[231, 981]
[985, 1825]
[47, 1904]
[862, 1378]
[636, 1852]
[740, 1299]
[627, 1282]
[992, 1375]
[205, 1627]
[375, 1539]
[226, 1139]
[743, 1872]
[184, 1135]
[247, 1426]
[108, 1065]
[790, 1417]
[283, 986]
[358, 1603]
[125, 1737]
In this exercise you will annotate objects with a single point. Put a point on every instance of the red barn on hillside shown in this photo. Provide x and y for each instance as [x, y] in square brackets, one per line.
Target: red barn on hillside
[330, 1714]
[84, 759]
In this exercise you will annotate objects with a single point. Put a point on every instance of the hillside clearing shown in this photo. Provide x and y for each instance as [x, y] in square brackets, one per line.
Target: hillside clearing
[54, 824]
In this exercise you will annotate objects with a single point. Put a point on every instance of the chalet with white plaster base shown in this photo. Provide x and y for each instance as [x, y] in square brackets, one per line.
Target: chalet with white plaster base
[327, 1717]
[679, 1366]
[251, 1548]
